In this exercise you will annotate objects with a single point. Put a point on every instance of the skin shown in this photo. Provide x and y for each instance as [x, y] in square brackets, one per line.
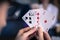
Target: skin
[43, 35]
[35, 6]
[3, 14]
[26, 34]
[45, 3]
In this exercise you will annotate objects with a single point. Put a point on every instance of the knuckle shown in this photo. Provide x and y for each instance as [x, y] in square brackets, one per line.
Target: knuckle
[25, 35]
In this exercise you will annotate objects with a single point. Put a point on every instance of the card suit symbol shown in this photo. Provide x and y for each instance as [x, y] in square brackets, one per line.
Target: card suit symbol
[37, 17]
[29, 18]
[37, 13]
[31, 14]
[30, 22]
[26, 18]
[45, 21]
[37, 21]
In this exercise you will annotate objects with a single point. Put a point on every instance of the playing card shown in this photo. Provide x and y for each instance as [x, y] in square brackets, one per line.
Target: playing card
[29, 18]
[46, 20]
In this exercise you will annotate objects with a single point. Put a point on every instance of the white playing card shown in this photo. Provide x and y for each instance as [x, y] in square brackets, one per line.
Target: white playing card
[29, 18]
[46, 20]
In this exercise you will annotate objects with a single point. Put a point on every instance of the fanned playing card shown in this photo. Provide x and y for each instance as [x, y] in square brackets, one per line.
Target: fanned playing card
[38, 18]
[46, 20]
[29, 18]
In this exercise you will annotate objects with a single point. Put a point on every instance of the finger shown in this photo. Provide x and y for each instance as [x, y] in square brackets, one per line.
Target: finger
[23, 30]
[36, 35]
[33, 35]
[29, 32]
[40, 33]
[46, 36]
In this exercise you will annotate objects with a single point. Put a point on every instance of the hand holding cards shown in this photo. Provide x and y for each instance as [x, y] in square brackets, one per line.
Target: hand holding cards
[38, 18]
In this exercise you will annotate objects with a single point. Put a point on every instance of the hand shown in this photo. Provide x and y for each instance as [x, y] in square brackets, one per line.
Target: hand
[43, 35]
[24, 34]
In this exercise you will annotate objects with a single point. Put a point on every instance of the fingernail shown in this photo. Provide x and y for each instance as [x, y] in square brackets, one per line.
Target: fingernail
[32, 27]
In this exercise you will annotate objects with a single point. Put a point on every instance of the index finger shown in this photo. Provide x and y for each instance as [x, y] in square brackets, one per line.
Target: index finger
[40, 33]
[23, 30]
[46, 36]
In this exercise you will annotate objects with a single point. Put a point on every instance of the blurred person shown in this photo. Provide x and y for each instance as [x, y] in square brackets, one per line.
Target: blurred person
[23, 33]
[41, 35]
[3, 14]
